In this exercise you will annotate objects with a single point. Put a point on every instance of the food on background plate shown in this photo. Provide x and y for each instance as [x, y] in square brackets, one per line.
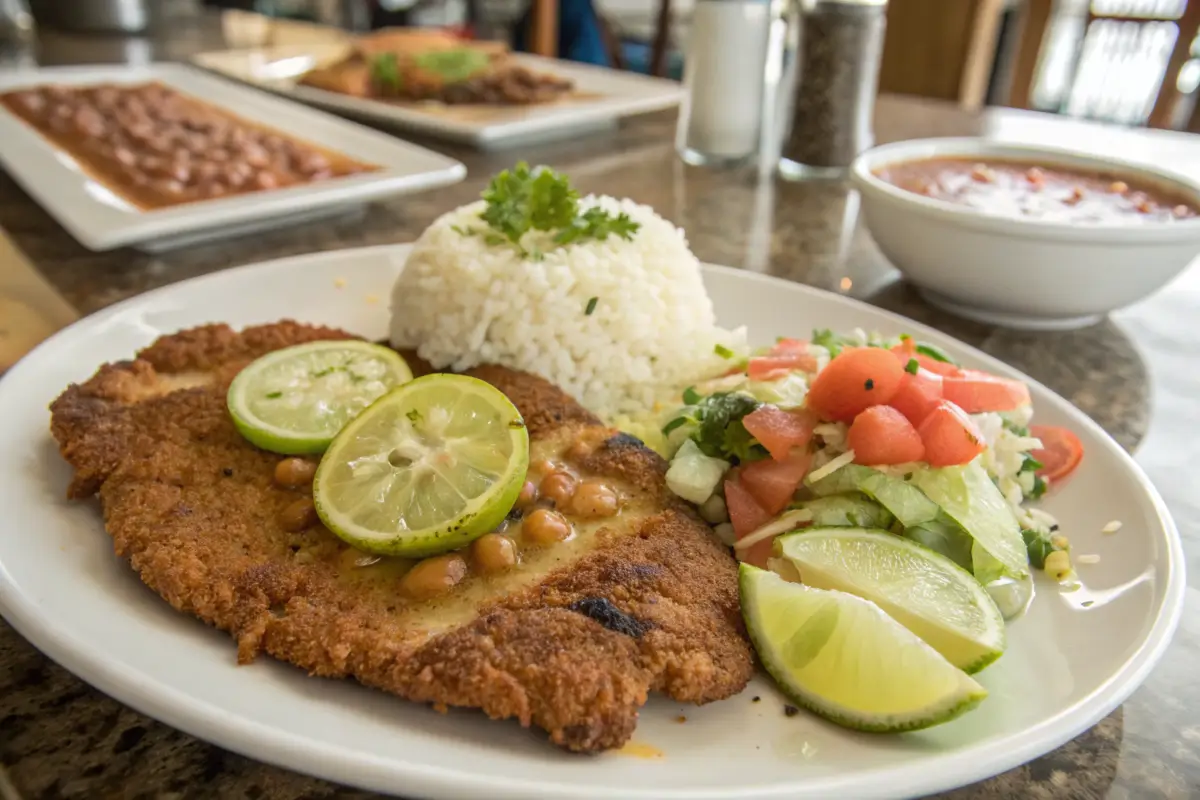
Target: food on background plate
[414, 65]
[157, 147]
[1048, 192]
[476, 537]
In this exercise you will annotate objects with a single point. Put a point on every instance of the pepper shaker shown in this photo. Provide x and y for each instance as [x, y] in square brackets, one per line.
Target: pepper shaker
[834, 96]
[720, 120]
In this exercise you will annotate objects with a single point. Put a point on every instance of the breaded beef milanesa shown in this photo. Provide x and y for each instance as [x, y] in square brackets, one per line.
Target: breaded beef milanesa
[573, 644]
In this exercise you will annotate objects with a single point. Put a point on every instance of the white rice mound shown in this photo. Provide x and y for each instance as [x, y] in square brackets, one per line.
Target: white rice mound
[460, 302]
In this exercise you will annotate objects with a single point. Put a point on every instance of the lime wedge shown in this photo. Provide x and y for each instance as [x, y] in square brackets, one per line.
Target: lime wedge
[295, 400]
[842, 657]
[428, 468]
[922, 590]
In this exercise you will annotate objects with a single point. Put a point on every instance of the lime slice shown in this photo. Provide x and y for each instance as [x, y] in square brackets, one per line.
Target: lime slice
[922, 590]
[295, 400]
[429, 467]
[845, 659]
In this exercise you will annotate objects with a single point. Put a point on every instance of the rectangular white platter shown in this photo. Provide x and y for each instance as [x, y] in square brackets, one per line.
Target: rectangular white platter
[604, 97]
[101, 220]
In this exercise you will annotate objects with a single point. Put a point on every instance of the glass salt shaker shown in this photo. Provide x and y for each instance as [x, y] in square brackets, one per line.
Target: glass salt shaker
[834, 96]
[720, 119]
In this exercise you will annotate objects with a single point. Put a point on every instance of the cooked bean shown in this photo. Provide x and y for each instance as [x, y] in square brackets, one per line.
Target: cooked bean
[169, 187]
[528, 495]
[493, 552]
[265, 180]
[299, 515]
[558, 487]
[545, 527]
[434, 576]
[595, 499]
[295, 472]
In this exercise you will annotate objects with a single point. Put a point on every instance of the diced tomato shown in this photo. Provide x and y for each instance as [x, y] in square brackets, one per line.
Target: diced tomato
[907, 350]
[1060, 453]
[950, 436]
[769, 368]
[778, 430]
[976, 392]
[747, 516]
[853, 382]
[772, 483]
[918, 395]
[882, 435]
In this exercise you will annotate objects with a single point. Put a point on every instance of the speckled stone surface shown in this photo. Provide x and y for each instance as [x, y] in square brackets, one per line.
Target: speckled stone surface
[60, 738]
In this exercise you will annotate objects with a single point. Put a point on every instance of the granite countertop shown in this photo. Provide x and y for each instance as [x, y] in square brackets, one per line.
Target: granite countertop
[61, 738]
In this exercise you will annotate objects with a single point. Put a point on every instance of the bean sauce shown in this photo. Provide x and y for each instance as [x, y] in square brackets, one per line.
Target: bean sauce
[1040, 191]
[157, 147]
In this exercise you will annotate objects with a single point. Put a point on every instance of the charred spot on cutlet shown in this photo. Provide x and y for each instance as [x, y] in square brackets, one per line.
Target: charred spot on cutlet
[604, 612]
[621, 441]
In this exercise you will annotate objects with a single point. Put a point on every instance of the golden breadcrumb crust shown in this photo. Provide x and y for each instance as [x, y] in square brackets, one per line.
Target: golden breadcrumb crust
[194, 508]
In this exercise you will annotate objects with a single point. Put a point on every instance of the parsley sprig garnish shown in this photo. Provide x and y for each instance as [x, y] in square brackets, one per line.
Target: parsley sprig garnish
[521, 200]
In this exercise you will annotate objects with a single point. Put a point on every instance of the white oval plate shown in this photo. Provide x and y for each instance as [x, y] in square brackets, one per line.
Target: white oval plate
[61, 586]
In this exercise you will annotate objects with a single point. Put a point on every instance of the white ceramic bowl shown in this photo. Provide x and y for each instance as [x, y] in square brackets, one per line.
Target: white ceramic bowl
[1023, 273]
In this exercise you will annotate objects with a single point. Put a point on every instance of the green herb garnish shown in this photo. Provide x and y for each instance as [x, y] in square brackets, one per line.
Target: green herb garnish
[935, 353]
[1039, 487]
[596, 223]
[830, 341]
[721, 433]
[912, 366]
[385, 71]
[723, 351]
[1038, 545]
[455, 65]
[591, 306]
[521, 200]
[691, 397]
[673, 424]
[1030, 464]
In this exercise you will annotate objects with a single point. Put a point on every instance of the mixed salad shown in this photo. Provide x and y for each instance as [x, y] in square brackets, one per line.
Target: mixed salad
[880, 469]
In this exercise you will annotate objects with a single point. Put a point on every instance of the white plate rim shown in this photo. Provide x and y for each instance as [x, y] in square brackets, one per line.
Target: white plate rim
[63, 191]
[656, 94]
[276, 746]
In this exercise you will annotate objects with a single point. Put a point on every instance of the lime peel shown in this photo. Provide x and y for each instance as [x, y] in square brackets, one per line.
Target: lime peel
[924, 591]
[866, 672]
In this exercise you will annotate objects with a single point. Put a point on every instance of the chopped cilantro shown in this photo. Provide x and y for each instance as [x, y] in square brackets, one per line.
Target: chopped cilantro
[274, 395]
[414, 416]
[1038, 546]
[591, 306]
[673, 424]
[912, 366]
[721, 433]
[935, 353]
[1039, 487]
[691, 397]
[723, 351]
